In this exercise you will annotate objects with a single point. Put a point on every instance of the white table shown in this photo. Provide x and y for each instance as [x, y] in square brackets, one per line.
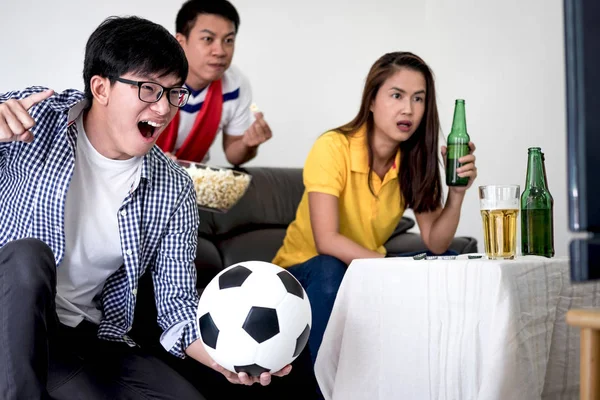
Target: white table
[454, 329]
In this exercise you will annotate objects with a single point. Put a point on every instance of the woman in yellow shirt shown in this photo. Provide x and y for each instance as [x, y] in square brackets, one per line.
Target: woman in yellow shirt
[360, 177]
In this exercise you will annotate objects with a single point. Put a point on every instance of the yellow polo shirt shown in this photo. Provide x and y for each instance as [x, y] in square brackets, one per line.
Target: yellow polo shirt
[339, 165]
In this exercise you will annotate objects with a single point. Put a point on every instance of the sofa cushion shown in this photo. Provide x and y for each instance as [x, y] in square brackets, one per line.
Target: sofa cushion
[258, 245]
[404, 225]
[271, 201]
[208, 261]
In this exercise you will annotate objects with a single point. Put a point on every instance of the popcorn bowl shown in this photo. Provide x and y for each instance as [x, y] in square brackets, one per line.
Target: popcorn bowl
[217, 189]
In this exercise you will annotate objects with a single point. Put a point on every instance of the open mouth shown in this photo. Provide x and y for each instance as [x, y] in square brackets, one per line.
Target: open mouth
[148, 128]
[404, 125]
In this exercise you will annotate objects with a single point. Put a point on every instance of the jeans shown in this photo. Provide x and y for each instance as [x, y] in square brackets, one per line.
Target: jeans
[321, 277]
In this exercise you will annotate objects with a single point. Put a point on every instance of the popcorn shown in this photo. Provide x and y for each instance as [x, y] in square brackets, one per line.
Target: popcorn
[218, 188]
[254, 108]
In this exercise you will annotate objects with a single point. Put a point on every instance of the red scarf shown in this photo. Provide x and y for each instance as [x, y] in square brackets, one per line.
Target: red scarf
[203, 131]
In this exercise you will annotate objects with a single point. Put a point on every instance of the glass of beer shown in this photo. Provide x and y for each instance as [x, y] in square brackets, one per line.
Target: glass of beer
[499, 205]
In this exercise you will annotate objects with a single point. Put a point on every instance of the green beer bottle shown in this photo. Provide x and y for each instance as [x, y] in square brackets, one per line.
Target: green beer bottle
[458, 146]
[537, 204]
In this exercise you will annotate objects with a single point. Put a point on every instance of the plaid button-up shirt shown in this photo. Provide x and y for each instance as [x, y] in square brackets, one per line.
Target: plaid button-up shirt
[158, 220]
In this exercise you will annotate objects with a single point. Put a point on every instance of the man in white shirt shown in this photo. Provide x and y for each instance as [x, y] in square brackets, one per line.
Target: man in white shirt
[207, 30]
[89, 204]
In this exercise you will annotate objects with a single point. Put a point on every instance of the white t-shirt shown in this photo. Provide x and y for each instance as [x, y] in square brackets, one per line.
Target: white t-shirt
[236, 116]
[93, 246]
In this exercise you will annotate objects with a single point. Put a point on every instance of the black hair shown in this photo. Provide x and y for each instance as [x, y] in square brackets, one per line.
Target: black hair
[186, 17]
[122, 45]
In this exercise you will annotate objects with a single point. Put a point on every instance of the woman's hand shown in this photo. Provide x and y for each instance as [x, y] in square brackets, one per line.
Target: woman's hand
[468, 169]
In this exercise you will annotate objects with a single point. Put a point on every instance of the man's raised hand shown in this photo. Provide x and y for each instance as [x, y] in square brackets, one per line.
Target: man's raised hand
[15, 121]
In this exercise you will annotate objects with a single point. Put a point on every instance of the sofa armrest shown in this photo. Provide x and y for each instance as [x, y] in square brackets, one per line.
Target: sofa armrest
[409, 242]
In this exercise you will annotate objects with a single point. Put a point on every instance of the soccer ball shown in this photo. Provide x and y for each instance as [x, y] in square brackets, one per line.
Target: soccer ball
[254, 317]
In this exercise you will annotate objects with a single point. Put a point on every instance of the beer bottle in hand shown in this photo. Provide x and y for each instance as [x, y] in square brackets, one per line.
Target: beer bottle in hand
[537, 228]
[458, 146]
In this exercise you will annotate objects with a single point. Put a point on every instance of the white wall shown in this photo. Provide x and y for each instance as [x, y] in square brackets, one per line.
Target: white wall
[307, 62]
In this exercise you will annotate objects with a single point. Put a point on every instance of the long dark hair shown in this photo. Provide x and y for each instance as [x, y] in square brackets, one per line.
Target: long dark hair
[419, 175]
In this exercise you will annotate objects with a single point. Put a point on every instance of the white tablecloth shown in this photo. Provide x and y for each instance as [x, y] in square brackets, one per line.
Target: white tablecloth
[454, 329]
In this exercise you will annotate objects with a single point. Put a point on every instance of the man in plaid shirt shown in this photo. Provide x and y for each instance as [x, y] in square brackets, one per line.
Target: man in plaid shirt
[88, 204]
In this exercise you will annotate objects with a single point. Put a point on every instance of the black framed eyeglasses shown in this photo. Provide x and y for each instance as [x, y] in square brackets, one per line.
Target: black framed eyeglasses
[152, 92]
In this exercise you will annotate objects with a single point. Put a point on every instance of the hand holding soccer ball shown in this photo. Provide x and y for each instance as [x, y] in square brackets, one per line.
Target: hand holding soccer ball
[254, 317]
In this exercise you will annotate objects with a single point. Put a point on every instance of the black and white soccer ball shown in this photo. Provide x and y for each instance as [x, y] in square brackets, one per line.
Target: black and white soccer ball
[254, 317]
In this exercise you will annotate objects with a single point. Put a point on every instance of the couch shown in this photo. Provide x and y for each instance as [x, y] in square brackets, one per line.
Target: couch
[255, 227]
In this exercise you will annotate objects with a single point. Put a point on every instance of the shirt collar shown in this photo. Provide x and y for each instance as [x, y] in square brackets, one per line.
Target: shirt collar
[194, 93]
[148, 165]
[67, 100]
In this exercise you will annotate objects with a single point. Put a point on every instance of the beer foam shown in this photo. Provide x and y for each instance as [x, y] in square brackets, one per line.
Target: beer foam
[491, 204]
